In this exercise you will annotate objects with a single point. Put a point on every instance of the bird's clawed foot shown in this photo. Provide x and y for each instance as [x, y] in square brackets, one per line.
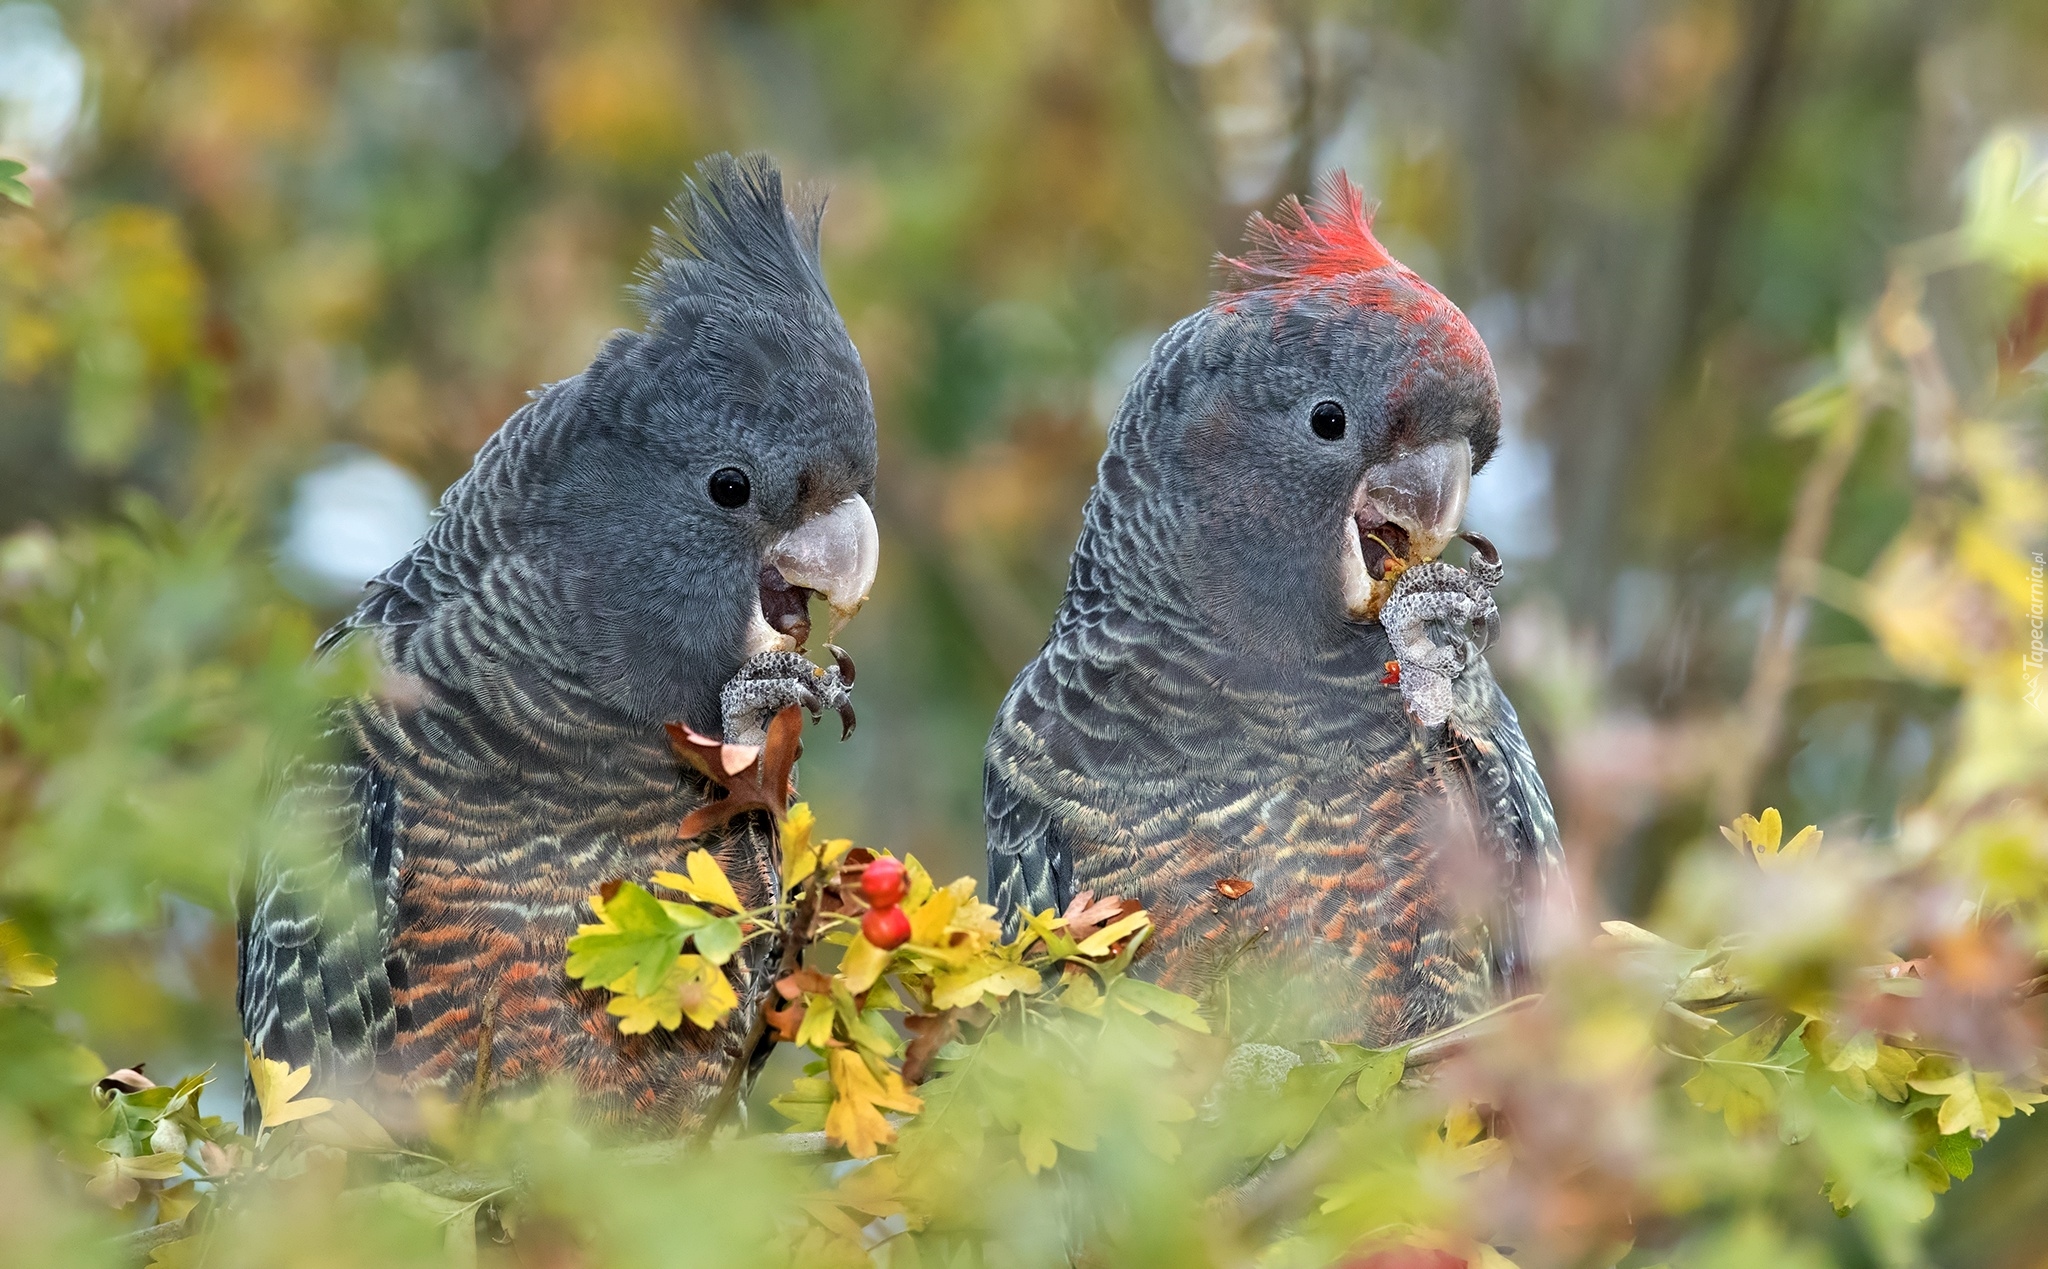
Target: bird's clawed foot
[1440, 619]
[773, 681]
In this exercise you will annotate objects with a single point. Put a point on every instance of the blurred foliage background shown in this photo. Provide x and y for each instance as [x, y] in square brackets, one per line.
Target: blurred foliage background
[291, 261]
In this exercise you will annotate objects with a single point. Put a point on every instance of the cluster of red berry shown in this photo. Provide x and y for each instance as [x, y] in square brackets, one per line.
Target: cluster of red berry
[883, 884]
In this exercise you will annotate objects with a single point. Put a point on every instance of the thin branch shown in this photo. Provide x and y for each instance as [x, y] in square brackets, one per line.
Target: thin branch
[794, 940]
[1722, 179]
[1678, 304]
[1438, 1045]
[1775, 662]
[141, 1242]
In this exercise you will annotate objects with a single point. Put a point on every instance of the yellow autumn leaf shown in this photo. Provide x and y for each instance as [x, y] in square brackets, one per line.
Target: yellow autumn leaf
[696, 989]
[929, 919]
[1890, 1074]
[1049, 926]
[1742, 1095]
[705, 992]
[984, 976]
[974, 918]
[800, 856]
[921, 883]
[639, 1014]
[1037, 1148]
[862, 964]
[1626, 935]
[815, 1031]
[1464, 1144]
[276, 1084]
[117, 1181]
[1760, 838]
[796, 830]
[176, 1203]
[1734, 1080]
[856, 1120]
[1975, 1101]
[706, 882]
[1081, 994]
[1099, 943]
[21, 969]
[185, 1253]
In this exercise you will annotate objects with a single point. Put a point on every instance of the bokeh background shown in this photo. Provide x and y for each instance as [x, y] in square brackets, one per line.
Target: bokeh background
[291, 261]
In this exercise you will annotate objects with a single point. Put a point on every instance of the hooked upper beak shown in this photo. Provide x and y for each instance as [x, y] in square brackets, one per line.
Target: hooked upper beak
[835, 555]
[1406, 510]
[1423, 491]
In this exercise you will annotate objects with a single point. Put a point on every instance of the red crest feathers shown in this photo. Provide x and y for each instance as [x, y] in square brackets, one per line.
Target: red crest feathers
[1326, 249]
[1302, 248]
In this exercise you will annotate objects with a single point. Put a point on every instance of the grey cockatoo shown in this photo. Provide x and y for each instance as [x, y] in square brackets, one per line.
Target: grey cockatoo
[634, 547]
[1262, 710]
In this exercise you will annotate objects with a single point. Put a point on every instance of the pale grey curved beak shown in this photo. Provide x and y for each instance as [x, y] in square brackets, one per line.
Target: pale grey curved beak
[1420, 490]
[835, 554]
[1423, 491]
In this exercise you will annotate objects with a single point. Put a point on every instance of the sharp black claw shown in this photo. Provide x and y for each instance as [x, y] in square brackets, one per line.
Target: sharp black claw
[1485, 557]
[843, 661]
[846, 718]
[1482, 544]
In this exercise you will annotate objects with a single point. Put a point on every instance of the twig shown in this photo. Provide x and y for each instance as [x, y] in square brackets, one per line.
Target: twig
[1675, 329]
[794, 939]
[1774, 664]
[1767, 55]
[141, 1242]
[480, 1082]
[1438, 1045]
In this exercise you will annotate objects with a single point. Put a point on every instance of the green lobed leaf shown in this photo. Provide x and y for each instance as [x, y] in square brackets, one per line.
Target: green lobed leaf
[718, 939]
[1380, 1073]
[1307, 1092]
[12, 187]
[640, 936]
[1139, 996]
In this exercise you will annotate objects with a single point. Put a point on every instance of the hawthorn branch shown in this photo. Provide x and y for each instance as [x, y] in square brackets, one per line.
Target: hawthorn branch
[1898, 327]
[1775, 662]
[795, 937]
[139, 1243]
[1438, 1045]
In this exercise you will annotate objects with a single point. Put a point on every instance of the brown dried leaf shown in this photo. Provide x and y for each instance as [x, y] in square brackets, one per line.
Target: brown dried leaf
[929, 1034]
[783, 1022]
[753, 779]
[1085, 914]
[805, 981]
[129, 1079]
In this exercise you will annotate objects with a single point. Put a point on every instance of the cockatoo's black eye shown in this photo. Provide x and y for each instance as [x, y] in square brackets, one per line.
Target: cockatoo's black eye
[730, 487]
[1327, 420]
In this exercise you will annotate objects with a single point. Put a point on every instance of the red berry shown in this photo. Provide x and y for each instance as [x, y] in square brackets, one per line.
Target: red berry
[884, 881]
[886, 927]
